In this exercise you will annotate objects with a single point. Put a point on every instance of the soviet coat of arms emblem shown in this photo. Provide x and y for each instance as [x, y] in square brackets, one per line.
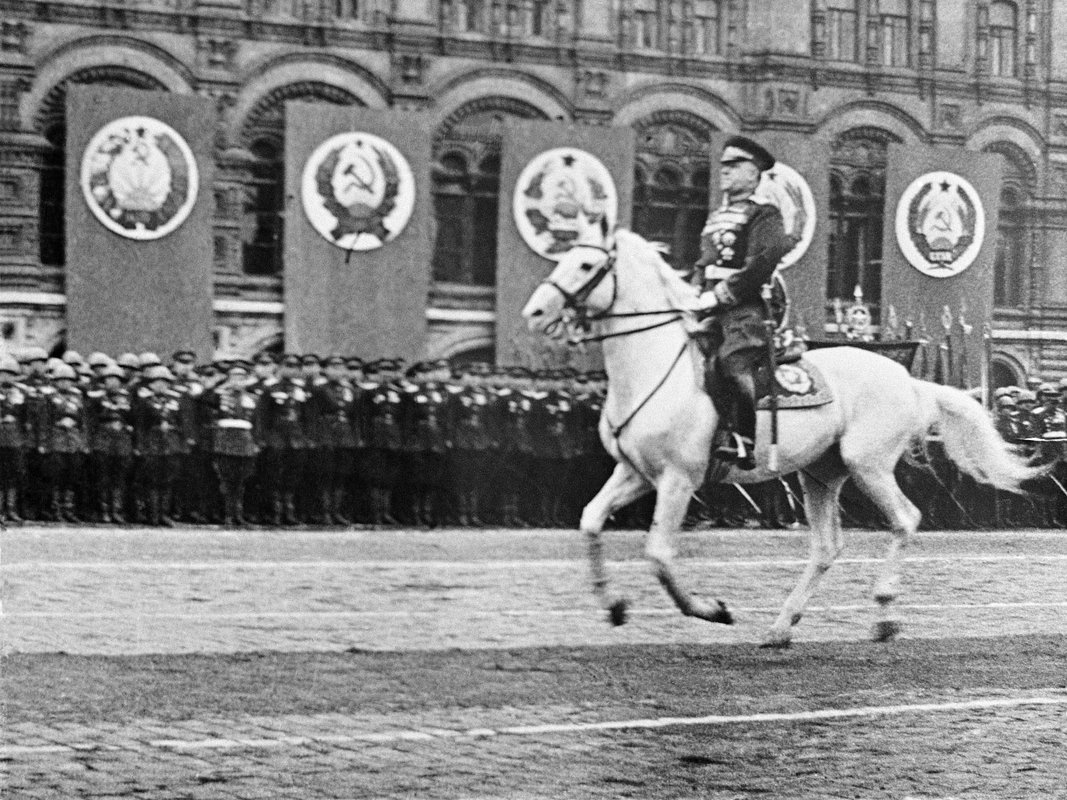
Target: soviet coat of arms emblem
[139, 178]
[940, 224]
[358, 191]
[786, 188]
[557, 193]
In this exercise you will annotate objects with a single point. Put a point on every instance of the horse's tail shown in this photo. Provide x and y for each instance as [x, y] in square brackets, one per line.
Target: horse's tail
[970, 438]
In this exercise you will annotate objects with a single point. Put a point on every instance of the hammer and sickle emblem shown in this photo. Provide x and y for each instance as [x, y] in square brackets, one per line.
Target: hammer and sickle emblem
[362, 174]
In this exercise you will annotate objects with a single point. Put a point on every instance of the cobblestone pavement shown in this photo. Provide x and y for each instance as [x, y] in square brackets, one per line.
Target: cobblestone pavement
[197, 663]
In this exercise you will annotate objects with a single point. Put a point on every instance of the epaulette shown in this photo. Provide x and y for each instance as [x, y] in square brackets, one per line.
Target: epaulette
[454, 389]
[144, 391]
[95, 393]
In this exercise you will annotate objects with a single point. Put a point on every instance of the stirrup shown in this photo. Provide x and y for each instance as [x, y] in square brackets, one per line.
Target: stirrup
[740, 451]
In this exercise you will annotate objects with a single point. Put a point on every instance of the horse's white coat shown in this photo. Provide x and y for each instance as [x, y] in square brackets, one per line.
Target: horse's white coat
[878, 412]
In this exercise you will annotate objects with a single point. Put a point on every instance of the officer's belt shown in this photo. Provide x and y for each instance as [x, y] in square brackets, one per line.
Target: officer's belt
[715, 273]
[242, 424]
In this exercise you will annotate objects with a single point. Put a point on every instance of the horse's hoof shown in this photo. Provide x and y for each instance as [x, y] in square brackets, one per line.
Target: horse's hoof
[776, 641]
[885, 630]
[617, 612]
[722, 614]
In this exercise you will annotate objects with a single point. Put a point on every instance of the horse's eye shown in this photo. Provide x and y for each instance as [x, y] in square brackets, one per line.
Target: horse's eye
[586, 267]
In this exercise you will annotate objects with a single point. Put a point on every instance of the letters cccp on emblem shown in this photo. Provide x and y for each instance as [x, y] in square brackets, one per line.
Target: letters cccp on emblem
[139, 178]
[940, 224]
[358, 191]
[558, 193]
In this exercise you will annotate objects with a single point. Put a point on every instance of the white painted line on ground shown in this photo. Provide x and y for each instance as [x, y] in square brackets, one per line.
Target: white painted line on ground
[1050, 697]
[553, 563]
[519, 612]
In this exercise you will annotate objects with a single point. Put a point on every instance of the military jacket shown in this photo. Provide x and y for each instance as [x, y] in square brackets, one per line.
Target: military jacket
[425, 430]
[158, 425]
[191, 391]
[385, 409]
[235, 412]
[335, 413]
[63, 421]
[741, 245]
[110, 422]
[514, 409]
[13, 416]
[471, 418]
[284, 406]
[554, 434]
[1008, 427]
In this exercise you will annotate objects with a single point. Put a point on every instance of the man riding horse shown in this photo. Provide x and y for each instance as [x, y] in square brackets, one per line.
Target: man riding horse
[741, 246]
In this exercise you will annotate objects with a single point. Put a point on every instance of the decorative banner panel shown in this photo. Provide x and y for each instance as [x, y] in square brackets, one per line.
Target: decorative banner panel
[799, 184]
[139, 272]
[941, 210]
[358, 231]
[551, 174]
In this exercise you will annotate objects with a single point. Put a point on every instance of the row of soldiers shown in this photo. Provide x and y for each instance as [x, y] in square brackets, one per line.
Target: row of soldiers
[1032, 415]
[295, 439]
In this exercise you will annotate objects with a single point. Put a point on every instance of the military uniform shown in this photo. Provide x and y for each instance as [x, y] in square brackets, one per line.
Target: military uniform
[471, 426]
[335, 405]
[234, 441]
[426, 443]
[514, 408]
[385, 440]
[110, 447]
[741, 245]
[62, 441]
[553, 449]
[14, 436]
[284, 406]
[160, 436]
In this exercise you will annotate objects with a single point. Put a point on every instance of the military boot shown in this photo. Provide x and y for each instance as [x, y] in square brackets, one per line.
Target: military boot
[326, 502]
[13, 505]
[104, 506]
[69, 514]
[166, 498]
[339, 516]
[276, 510]
[118, 514]
[291, 517]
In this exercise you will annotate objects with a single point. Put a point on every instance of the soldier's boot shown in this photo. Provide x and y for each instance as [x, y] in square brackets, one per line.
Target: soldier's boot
[13, 500]
[153, 507]
[140, 508]
[473, 504]
[239, 509]
[544, 519]
[166, 498]
[276, 507]
[463, 516]
[3, 505]
[69, 514]
[558, 515]
[326, 503]
[339, 515]
[431, 509]
[387, 508]
[289, 506]
[117, 512]
[55, 511]
[103, 502]
[229, 516]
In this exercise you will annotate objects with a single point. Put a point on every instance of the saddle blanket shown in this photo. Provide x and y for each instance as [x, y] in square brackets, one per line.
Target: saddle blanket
[800, 385]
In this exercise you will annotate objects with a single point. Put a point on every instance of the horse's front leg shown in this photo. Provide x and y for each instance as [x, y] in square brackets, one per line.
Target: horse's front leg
[672, 501]
[622, 488]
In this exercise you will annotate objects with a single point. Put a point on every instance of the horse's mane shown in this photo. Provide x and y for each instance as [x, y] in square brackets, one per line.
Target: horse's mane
[679, 291]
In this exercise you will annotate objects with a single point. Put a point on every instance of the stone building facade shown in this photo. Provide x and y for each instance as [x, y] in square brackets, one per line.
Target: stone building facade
[980, 75]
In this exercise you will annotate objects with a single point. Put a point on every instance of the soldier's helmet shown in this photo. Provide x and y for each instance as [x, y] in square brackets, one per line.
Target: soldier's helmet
[31, 354]
[158, 373]
[128, 361]
[52, 364]
[1006, 401]
[1026, 396]
[148, 360]
[1047, 390]
[62, 371]
[9, 364]
[73, 357]
[112, 370]
[1033, 382]
[1003, 391]
[98, 359]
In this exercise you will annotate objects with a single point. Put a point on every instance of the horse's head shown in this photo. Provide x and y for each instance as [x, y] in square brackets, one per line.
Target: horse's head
[577, 284]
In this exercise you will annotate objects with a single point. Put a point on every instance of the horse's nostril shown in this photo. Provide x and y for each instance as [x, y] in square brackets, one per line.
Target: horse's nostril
[537, 313]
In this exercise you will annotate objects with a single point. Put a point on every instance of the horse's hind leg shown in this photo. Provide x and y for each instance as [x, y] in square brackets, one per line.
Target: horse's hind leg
[881, 486]
[623, 487]
[672, 501]
[822, 486]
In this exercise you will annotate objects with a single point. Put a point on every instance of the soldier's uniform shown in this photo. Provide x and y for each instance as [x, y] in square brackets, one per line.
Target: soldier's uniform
[426, 444]
[554, 434]
[335, 404]
[160, 437]
[470, 457]
[36, 499]
[14, 435]
[741, 245]
[110, 410]
[190, 484]
[62, 440]
[514, 407]
[285, 417]
[385, 445]
[234, 440]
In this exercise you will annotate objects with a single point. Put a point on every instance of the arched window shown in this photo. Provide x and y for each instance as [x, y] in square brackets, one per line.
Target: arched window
[646, 25]
[263, 135]
[842, 28]
[1010, 275]
[857, 203]
[1003, 38]
[670, 201]
[706, 28]
[894, 33]
[466, 188]
[51, 121]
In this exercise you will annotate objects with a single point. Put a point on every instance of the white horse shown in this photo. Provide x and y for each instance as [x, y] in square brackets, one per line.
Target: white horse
[658, 424]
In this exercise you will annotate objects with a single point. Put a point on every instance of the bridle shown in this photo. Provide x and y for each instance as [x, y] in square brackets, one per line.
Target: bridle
[580, 319]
